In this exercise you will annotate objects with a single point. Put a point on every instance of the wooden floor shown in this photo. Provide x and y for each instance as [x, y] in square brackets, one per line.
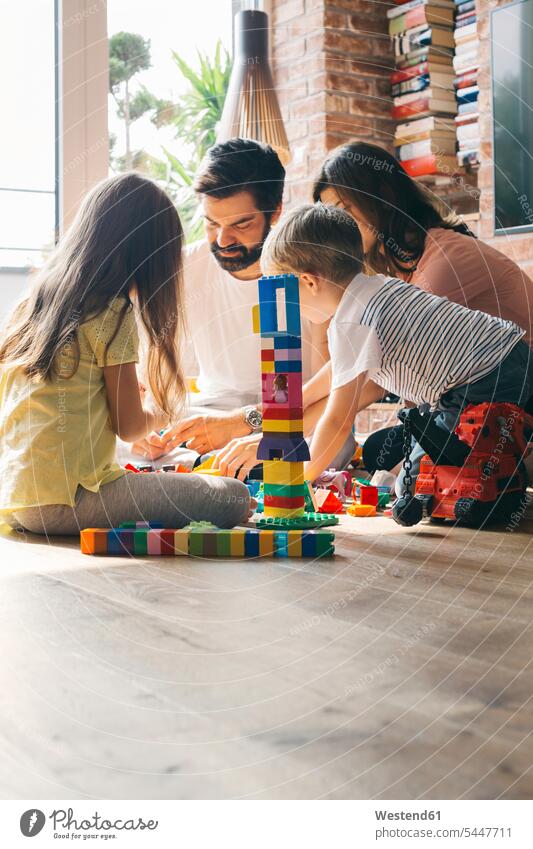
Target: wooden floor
[401, 669]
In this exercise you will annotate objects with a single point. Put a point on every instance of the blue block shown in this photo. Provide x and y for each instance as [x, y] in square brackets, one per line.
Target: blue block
[308, 544]
[288, 366]
[285, 447]
[281, 544]
[120, 541]
[268, 318]
[253, 487]
[251, 543]
[281, 342]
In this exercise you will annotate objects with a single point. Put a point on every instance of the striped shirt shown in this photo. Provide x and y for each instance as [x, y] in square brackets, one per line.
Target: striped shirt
[411, 342]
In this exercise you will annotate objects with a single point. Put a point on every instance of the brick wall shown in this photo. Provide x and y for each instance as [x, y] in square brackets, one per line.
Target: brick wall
[331, 64]
[518, 247]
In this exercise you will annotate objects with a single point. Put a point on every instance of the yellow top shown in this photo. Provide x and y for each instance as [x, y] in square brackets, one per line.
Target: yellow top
[56, 434]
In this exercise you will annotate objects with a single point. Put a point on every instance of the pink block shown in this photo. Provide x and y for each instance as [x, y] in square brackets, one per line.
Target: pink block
[294, 388]
[154, 541]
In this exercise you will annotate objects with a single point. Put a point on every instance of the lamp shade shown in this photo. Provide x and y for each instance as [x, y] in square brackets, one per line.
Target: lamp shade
[251, 109]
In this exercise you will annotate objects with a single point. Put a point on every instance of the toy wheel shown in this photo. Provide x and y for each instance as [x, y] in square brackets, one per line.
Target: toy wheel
[471, 512]
[407, 510]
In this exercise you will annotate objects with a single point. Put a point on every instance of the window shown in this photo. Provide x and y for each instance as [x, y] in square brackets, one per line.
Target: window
[28, 204]
[512, 66]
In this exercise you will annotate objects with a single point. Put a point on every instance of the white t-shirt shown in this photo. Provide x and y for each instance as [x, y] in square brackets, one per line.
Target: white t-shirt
[411, 342]
[221, 350]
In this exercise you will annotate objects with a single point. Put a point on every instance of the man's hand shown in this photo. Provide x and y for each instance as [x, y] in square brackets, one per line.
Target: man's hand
[151, 447]
[207, 432]
[239, 454]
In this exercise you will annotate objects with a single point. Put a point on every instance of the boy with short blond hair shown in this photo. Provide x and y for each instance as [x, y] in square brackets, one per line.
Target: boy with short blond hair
[426, 349]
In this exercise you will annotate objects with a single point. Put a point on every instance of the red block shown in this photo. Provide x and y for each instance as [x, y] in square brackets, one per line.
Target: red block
[267, 354]
[285, 503]
[368, 495]
[167, 542]
[275, 411]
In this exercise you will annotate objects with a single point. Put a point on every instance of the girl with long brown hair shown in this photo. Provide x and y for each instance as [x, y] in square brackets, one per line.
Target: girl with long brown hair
[68, 379]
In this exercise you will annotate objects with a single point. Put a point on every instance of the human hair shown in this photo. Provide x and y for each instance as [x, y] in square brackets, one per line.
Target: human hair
[127, 234]
[240, 165]
[399, 210]
[317, 239]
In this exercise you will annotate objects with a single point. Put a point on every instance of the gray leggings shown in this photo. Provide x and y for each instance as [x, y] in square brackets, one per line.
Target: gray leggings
[172, 499]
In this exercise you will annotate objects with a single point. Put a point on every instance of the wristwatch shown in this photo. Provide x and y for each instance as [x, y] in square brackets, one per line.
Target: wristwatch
[253, 418]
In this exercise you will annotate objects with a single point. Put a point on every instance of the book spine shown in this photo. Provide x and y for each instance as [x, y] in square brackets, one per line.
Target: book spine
[421, 166]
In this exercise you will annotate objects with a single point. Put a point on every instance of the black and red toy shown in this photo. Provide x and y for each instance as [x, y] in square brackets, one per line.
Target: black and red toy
[474, 475]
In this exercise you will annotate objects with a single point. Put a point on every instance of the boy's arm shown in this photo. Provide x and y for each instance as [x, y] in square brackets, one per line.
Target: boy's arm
[334, 426]
[318, 386]
[129, 419]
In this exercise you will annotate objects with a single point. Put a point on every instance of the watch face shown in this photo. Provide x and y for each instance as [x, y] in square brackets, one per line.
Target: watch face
[254, 418]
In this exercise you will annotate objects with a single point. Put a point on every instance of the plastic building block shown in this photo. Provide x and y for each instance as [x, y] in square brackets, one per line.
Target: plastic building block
[282, 446]
[134, 525]
[275, 471]
[283, 426]
[204, 540]
[328, 502]
[361, 510]
[368, 495]
[131, 468]
[311, 505]
[308, 520]
[146, 468]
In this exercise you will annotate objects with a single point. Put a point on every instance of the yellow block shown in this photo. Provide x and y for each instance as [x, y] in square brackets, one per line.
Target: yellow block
[283, 425]
[266, 543]
[294, 545]
[237, 543]
[181, 541]
[207, 472]
[267, 367]
[284, 512]
[206, 465]
[279, 471]
[191, 384]
[255, 319]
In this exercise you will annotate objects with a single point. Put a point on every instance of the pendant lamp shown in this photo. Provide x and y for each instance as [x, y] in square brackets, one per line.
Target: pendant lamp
[251, 109]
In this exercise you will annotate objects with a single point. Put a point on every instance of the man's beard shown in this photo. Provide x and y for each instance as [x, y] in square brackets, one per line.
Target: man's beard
[242, 257]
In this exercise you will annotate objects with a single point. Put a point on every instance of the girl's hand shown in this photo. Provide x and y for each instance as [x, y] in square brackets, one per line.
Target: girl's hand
[239, 455]
[151, 447]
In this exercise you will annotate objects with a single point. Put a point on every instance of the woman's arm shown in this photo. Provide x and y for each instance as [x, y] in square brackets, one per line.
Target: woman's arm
[129, 419]
[334, 426]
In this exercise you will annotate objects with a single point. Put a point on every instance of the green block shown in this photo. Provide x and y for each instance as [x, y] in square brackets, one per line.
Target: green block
[140, 541]
[196, 543]
[224, 543]
[285, 490]
[305, 522]
[324, 544]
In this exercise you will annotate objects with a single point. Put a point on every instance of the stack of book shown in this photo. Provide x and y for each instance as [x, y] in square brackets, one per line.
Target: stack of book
[466, 63]
[424, 100]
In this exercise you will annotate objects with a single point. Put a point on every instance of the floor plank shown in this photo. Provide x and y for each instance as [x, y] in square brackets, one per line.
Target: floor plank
[400, 669]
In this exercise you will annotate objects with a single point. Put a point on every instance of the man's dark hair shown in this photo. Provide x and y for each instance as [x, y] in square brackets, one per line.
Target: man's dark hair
[240, 165]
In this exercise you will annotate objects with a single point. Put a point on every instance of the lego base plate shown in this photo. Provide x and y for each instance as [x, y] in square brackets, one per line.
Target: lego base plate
[305, 522]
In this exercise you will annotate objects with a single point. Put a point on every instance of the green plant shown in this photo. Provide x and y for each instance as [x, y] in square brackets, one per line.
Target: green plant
[194, 118]
[129, 54]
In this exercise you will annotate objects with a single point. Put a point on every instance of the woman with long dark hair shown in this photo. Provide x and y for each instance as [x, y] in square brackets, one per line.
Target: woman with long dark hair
[409, 233]
[68, 380]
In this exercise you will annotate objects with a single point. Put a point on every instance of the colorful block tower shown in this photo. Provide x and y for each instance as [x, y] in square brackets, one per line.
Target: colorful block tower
[283, 448]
